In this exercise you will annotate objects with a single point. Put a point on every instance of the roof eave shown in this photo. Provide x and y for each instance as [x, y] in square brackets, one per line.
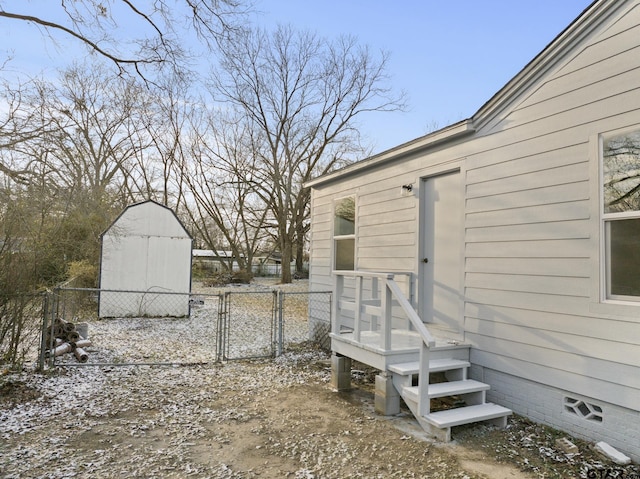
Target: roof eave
[446, 134]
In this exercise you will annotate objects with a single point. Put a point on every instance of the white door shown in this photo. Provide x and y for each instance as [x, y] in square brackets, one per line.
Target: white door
[442, 255]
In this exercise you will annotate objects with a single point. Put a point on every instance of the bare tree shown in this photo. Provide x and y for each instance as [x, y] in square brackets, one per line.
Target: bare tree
[105, 27]
[219, 176]
[83, 166]
[95, 131]
[300, 96]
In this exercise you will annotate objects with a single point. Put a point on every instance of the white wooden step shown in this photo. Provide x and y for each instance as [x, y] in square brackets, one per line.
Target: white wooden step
[435, 366]
[467, 415]
[452, 388]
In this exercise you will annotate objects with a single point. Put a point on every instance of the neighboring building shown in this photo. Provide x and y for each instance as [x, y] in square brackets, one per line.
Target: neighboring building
[514, 235]
[215, 261]
[145, 263]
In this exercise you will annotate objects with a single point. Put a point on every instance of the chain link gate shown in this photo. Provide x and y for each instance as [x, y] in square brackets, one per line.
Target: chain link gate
[249, 325]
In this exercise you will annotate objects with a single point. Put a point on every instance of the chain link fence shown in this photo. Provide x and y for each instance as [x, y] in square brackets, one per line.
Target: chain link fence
[91, 326]
[305, 315]
[20, 327]
[107, 327]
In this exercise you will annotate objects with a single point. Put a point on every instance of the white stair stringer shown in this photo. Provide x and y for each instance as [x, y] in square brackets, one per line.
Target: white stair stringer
[438, 424]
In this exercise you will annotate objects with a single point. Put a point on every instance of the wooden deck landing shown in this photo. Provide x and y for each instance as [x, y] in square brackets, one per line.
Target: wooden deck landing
[405, 346]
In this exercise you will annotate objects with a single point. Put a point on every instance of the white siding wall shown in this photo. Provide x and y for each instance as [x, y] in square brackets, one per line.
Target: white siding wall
[533, 227]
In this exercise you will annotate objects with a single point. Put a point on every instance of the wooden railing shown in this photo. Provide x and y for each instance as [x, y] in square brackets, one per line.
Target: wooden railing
[375, 304]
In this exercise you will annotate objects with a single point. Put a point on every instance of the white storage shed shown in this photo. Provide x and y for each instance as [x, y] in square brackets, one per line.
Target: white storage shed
[145, 267]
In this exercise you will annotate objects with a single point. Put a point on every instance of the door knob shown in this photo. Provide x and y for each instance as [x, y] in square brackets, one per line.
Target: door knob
[425, 260]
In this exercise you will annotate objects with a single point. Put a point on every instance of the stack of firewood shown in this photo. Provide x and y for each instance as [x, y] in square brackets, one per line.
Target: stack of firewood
[63, 337]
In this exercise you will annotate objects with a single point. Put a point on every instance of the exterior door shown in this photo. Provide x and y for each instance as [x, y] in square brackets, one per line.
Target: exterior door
[442, 255]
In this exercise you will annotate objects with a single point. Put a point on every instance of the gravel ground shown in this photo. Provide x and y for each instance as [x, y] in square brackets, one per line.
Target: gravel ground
[248, 419]
[267, 419]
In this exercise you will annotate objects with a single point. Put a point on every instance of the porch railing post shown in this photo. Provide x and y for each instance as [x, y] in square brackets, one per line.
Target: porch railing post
[386, 321]
[358, 312]
[339, 289]
[375, 295]
[423, 381]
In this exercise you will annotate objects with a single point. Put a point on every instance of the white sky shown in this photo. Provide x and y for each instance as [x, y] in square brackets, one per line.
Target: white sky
[450, 56]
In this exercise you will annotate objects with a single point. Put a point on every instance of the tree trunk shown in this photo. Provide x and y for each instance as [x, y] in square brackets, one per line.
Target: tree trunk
[299, 257]
[287, 251]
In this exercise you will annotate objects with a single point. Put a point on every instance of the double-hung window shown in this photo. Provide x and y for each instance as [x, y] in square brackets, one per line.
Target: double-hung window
[344, 233]
[621, 215]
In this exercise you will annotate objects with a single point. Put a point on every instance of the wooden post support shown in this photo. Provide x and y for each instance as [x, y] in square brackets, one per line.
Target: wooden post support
[340, 372]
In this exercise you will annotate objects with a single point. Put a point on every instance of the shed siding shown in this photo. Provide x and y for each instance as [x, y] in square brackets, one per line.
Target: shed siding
[147, 250]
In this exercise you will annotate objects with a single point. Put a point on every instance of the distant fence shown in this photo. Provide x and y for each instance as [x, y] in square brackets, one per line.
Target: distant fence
[100, 327]
[260, 269]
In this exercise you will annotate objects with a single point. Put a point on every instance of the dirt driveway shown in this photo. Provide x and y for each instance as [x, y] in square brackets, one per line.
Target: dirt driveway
[261, 419]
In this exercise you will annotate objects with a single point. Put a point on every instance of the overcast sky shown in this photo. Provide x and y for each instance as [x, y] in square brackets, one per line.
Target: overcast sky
[449, 56]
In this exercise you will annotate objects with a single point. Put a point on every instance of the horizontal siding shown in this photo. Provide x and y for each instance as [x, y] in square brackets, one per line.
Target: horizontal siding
[585, 90]
[387, 264]
[579, 382]
[537, 179]
[531, 249]
[531, 223]
[526, 300]
[372, 237]
[526, 161]
[541, 344]
[553, 285]
[555, 194]
[370, 217]
[553, 230]
[560, 267]
[608, 329]
[616, 40]
[532, 228]
[574, 210]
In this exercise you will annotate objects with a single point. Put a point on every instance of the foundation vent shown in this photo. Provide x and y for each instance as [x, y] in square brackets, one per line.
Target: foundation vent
[583, 409]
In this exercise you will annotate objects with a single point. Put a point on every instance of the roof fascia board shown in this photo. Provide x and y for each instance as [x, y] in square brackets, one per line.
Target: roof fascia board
[446, 134]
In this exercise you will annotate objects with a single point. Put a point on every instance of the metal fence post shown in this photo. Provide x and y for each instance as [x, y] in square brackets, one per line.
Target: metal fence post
[280, 329]
[43, 330]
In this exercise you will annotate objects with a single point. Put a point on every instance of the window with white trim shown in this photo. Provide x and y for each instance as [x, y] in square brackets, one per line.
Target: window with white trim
[344, 233]
[621, 215]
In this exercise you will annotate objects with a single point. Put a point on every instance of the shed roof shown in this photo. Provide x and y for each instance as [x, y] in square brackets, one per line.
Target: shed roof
[148, 218]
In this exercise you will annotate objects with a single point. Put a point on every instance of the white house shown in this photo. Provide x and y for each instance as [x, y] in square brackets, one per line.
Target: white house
[505, 247]
[145, 267]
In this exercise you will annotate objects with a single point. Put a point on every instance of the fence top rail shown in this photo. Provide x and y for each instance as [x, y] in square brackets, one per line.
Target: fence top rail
[147, 291]
[304, 292]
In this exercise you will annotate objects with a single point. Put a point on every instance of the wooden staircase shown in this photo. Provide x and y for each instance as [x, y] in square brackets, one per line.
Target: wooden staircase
[376, 323]
[468, 394]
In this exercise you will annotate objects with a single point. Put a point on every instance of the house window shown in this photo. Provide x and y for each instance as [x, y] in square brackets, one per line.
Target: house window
[621, 215]
[344, 233]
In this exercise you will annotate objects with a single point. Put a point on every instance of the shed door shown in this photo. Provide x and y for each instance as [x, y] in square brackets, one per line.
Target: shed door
[442, 255]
